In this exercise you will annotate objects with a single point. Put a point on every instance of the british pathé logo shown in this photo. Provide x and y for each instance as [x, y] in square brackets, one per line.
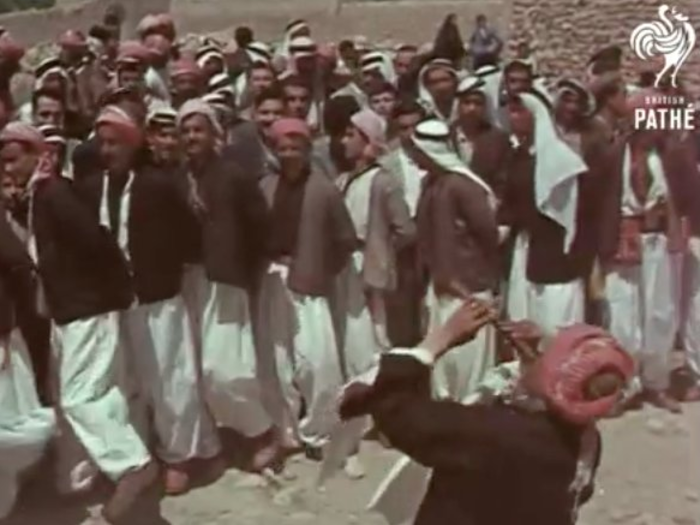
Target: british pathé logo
[672, 37]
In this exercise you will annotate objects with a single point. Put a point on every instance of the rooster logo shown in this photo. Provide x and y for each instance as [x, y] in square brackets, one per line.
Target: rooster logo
[673, 37]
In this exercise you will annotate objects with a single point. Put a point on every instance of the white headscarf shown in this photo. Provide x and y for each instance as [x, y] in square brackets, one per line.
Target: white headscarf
[492, 77]
[557, 168]
[424, 96]
[382, 62]
[290, 33]
[432, 138]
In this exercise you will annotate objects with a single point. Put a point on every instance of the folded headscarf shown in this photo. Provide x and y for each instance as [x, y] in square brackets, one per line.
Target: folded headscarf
[162, 115]
[197, 106]
[302, 46]
[381, 62]
[23, 133]
[290, 126]
[294, 29]
[432, 137]
[570, 85]
[557, 168]
[207, 53]
[133, 52]
[259, 52]
[52, 134]
[372, 126]
[424, 95]
[575, 356]
[121, 121]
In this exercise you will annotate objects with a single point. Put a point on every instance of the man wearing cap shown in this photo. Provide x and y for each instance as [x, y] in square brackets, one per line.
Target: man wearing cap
[458, 247]
[85, 284]
[481, 145]
[230, 233]
[643, 238]
[529, 440]
[310, 242]
[162, 137]
[141, 204]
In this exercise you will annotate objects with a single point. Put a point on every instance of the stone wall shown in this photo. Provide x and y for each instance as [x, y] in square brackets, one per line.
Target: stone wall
[567, 32]
[35, 27]
[412, 20]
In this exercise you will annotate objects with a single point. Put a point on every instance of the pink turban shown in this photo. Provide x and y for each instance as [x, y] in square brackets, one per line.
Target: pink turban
[185, 67]
[372, 126]
[133, 52]
[575, 356]
[24, 134]
[120, 120]
[9, 48]
[73, 40]
[197, 106]
[290, 126]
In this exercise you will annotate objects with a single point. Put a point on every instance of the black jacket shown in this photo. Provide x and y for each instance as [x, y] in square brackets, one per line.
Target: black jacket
[81, 266]
[235, 227]
[17, 292]
[493, 465]
[158, 230]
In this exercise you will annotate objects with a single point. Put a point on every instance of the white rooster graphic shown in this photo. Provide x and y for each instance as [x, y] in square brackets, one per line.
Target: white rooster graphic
[672, 37]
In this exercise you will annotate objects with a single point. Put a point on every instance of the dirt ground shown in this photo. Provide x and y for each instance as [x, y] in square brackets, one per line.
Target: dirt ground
[650, 475]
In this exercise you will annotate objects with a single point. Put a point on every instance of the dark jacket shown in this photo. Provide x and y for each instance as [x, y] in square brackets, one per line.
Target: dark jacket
[326, 235]
[490, 157]
[158, 230]
[492, 465]
[457, 234]
[547, 261]
[81, 266]
[17, 292]
[235, 229]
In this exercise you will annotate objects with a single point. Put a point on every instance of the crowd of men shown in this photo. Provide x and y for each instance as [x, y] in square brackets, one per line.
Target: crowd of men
[219, 238]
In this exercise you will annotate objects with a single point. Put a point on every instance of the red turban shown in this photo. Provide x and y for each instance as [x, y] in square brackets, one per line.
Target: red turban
[121, 121]
[133, 52]
[73, 40]
[9, 48]
[290, 126]
[185, 67]
[23, 133]
[576, 355]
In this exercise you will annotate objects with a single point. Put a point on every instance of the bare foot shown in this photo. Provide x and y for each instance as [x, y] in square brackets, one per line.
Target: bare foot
[266, 453]
[354, 468]
[176, 480]
[129, 488]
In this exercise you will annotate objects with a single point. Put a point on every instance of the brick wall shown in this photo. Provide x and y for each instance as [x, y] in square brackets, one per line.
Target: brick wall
[567, 32]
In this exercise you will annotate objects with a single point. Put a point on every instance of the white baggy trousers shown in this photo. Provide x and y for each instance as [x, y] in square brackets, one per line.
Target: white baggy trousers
[25, 426]
[300, 352]
[93, 408]
[691, 290]
[550, 306]
[645, 309]
[161, 346]
[224, 332]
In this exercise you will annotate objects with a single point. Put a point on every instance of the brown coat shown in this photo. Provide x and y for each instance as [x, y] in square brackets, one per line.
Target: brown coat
[490, 158]
[389, 230]
[457, 234]
[326, 235]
